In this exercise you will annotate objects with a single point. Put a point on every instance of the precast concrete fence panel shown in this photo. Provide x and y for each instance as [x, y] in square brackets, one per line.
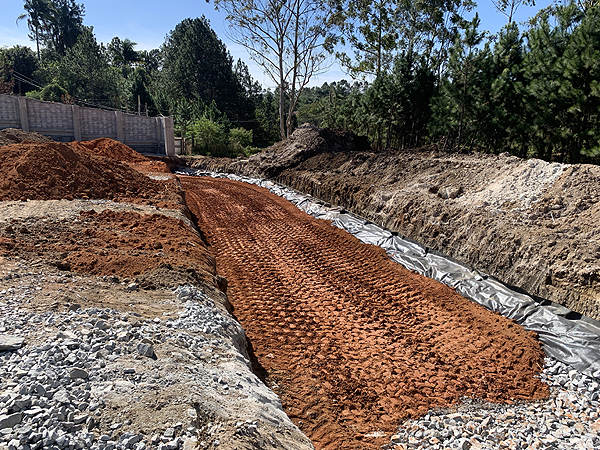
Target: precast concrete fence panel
[65, 123]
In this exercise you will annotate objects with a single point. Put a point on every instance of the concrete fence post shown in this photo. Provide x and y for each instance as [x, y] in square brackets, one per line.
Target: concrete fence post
[158, 127]
[169, 131]
[23, 117]
[119, 119]
[76, 123]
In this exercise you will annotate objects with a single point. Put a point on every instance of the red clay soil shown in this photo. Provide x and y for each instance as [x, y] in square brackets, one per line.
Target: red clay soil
[355, 342]
[109, 148]
[125, 244]
[45, 171]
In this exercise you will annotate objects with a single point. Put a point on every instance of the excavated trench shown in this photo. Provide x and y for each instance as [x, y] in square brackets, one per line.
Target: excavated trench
[352, 342]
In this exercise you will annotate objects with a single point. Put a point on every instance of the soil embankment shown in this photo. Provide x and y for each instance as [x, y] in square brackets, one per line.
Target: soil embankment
[353, 342]
[529, 223]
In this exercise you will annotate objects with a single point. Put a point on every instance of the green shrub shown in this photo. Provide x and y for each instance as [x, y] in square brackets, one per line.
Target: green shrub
[240, 137]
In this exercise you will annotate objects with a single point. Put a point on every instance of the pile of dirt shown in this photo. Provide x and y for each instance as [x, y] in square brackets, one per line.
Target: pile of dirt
[306, 142]
[45, 171]
[15, 135]
[531, 224]
[156, 249]
[109, 148]
[354, 342]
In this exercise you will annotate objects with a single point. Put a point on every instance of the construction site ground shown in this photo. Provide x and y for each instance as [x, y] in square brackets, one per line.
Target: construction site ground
[530, 223]
[351, 342]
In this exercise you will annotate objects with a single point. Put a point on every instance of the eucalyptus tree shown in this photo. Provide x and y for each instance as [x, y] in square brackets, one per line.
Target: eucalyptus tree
[377, 31]
[54, 23]
[510, 7]
[288, 39]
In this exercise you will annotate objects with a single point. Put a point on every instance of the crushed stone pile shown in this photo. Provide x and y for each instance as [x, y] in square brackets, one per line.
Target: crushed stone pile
[569, 419]
[100, 378]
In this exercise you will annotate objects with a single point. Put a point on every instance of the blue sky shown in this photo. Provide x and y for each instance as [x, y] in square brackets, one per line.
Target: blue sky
[147, 22]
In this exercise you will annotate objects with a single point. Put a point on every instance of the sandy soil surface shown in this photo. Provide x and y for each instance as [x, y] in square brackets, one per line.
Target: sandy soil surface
[353, 342]
[531, 224]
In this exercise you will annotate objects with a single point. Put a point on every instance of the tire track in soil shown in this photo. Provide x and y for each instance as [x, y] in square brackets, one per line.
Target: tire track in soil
[355, 342]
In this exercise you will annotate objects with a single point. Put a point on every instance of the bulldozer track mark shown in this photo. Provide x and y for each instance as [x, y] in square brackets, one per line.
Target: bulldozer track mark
[355, 342]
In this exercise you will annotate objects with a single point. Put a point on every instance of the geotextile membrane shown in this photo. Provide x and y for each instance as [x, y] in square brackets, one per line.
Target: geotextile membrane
[567, 336]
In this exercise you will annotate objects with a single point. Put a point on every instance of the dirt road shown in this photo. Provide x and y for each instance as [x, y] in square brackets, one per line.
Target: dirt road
[354, 342]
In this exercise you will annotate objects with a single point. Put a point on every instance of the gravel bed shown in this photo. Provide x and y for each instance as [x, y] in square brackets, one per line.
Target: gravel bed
[568, 419]
[60, 371]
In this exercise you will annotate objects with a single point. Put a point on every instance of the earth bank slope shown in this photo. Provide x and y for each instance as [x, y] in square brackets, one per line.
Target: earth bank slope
[529, 223]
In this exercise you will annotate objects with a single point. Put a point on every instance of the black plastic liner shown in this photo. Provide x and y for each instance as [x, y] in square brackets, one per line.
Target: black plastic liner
[566, 336]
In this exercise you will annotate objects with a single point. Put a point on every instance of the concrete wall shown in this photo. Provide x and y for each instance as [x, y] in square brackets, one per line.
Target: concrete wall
[75, 123]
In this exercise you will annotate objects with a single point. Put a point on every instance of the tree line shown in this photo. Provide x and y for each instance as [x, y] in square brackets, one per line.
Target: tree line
[421, 73]
[215, 102]
[534, 93]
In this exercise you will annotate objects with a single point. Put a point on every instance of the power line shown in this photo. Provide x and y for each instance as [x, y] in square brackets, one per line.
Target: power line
[84, 102]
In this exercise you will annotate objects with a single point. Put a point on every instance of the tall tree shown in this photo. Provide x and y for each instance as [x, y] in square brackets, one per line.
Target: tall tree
[462, 97]
[54, 23]
[85, 73]
[197, 65]
[6, 83]
[371, 29]
[507, 128]
[24, 64]
[378, 31]
[510, 7]
[561, 88]
[122, 54]
[37, 13]
[66, 24]
[287, 38]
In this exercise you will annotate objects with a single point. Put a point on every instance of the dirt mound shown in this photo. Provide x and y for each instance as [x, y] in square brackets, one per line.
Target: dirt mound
[15, 135]
[355, 342]
[109, 148]
[306, 142]
[45, 171]
[157, 249]
[532, 224]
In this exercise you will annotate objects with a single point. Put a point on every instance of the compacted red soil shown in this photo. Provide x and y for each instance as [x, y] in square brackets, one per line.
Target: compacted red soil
[354, 342]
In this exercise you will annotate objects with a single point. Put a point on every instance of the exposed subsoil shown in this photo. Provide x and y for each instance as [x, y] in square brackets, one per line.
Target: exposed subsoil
[353, 342]
[59, 253]
[45, 171]
[123, 244]
[109, 148]
[529, 223]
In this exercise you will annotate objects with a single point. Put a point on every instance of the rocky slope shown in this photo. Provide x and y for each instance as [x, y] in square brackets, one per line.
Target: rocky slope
[531, 224]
